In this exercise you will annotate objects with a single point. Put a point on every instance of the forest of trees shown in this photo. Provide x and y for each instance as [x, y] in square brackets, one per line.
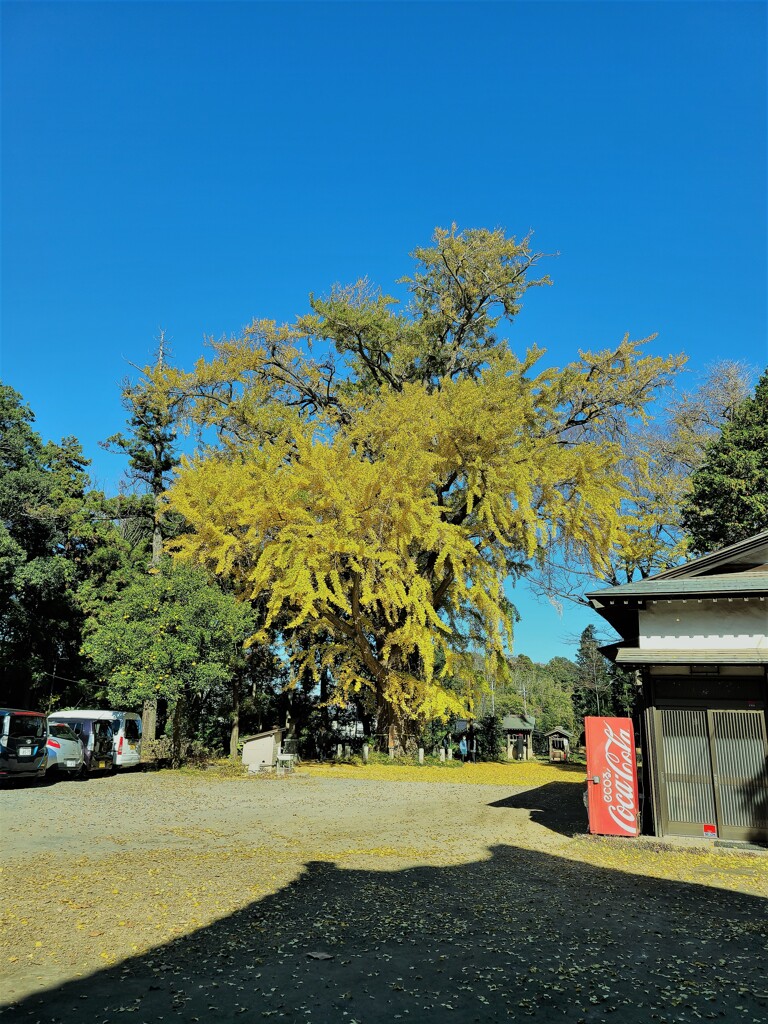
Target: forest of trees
[343, 541]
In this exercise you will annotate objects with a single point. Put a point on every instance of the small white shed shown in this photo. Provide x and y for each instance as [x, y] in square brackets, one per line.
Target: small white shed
[260, 751]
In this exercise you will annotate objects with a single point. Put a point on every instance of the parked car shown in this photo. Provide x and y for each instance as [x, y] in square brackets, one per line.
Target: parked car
[65, 751]
[126, 738]
[126, 732]
[95, 734]
[23, 752]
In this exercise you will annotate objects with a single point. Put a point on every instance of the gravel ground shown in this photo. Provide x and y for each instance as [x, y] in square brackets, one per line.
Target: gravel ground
[188, 897]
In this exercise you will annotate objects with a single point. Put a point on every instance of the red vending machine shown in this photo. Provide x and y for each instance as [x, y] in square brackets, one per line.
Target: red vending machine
[612, 798]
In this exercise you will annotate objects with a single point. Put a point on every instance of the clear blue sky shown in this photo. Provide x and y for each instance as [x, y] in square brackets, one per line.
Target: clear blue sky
[192, 165]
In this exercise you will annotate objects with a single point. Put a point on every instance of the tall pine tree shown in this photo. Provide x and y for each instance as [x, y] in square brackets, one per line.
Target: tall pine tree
[150, 447]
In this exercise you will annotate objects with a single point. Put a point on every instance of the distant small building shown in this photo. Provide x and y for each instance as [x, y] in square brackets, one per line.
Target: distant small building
[260, 751]
[519, 733]
[559, 743]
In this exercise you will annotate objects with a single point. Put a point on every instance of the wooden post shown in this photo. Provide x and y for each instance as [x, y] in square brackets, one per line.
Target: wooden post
[391, 740]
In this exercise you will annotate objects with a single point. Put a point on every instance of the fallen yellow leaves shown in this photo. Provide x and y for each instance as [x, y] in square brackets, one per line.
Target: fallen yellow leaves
[512, 774]
[722, 869]
[187, 873]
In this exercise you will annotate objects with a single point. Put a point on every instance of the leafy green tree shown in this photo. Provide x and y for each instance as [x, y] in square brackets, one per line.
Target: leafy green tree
[175, 635]
[563, 671]
[119, 554]
[729, 491]
[490, 738]
[532, 689]
[46, 533]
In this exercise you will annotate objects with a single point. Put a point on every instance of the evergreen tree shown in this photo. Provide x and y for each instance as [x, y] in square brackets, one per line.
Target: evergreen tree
[490, 738]
[624, 692]
[150, 446]
[729, 492]
[592, 690]
[600, 688]
[151, 451]
[45, 537]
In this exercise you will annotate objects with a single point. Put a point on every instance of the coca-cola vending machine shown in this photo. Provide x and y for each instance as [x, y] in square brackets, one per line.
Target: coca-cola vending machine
[612, 797]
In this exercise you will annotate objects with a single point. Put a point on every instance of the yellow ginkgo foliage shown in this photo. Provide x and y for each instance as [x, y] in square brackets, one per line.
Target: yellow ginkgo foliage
[375, 501]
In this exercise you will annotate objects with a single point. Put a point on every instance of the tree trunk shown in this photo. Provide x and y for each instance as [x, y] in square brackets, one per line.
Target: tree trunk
[234, 733]
[149, 721]
[368, 720]
[157, 543]
[393, 729]
[157, 530]
[325, 689]
[176, 733]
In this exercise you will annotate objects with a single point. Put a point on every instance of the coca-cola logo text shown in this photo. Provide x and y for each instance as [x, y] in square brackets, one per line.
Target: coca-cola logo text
[618, 779]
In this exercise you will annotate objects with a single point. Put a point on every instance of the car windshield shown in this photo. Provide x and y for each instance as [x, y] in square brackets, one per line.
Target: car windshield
[61, 731]
[26, 725]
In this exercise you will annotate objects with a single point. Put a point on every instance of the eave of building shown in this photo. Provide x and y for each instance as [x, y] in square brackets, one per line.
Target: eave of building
[749, 553]
[625, 655]
[620, 606]
[734, 585]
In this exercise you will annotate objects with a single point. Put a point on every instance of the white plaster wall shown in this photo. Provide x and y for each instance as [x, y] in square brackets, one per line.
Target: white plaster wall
[706, 625]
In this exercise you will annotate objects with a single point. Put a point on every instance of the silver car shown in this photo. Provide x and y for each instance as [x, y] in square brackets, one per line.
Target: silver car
[65, 751]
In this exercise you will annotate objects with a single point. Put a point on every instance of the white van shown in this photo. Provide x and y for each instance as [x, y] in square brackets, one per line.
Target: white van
[126, 728]
[126, 732]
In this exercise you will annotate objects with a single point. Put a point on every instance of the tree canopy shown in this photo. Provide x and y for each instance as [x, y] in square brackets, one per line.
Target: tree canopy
[45, 531]
[729, 490]
[380, 474]
[170, 635]
[661, 457]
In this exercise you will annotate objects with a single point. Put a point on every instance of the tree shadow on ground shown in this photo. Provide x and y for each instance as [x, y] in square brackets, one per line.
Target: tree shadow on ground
[558, 806]
[520, 934]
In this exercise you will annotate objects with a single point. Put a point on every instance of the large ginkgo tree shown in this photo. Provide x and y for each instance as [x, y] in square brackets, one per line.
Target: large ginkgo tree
[378, 473]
